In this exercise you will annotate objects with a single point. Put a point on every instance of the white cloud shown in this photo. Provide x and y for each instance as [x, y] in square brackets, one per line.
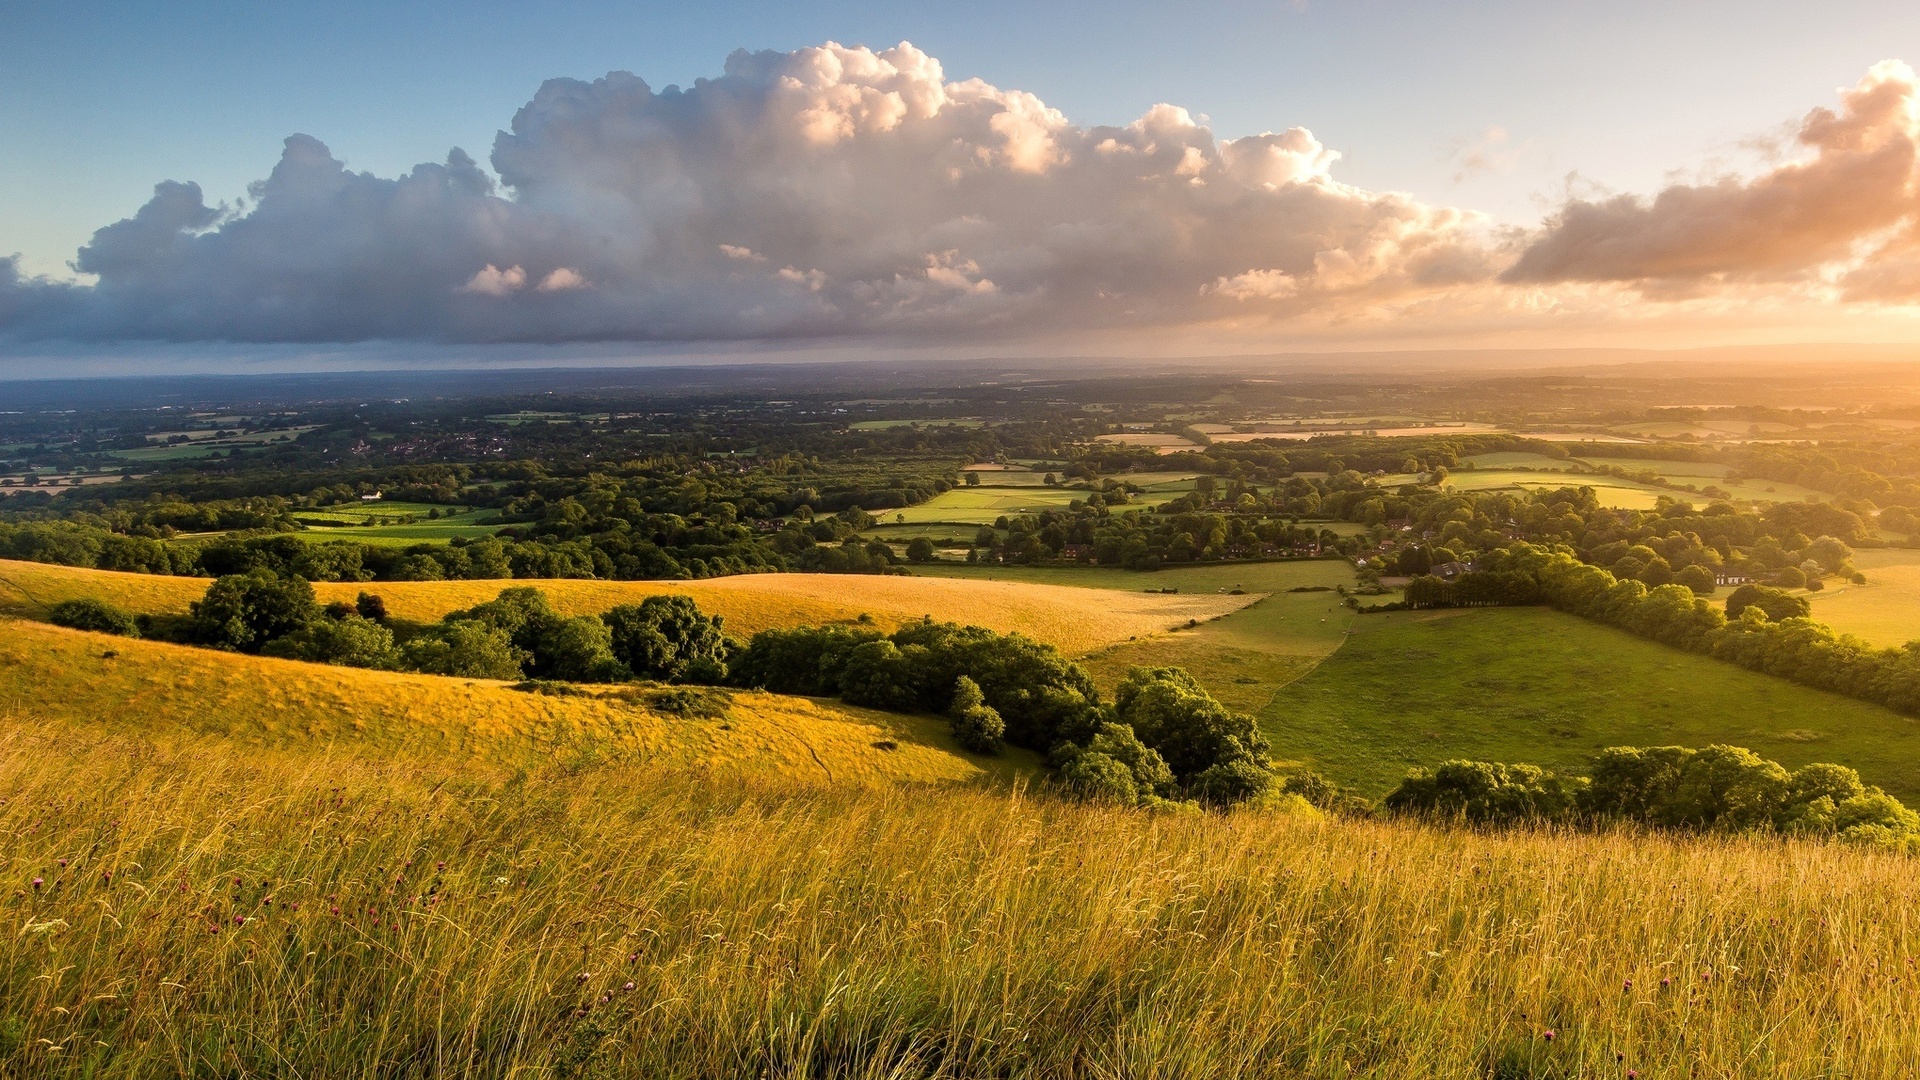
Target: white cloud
[493, 281]
[563, 279]
[841, 192]
[829, 191]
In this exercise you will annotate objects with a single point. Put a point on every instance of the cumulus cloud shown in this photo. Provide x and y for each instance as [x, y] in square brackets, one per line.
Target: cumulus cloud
[839, 192]
[829, 191]
[1842, 210]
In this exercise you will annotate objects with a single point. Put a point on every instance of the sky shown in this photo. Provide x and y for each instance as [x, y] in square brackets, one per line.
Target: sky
[1119, 176]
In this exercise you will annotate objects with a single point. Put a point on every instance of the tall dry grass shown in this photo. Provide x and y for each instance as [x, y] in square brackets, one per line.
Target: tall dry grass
[244, 912]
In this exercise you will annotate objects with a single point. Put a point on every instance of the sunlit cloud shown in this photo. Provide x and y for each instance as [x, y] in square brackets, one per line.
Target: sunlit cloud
[842, 193]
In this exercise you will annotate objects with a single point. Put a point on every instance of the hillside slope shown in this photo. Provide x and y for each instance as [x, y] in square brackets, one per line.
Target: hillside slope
[154, 689]
[1073, 619]
[1541, 686]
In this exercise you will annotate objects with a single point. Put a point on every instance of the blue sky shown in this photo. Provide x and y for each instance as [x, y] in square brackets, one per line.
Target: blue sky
[99, 101]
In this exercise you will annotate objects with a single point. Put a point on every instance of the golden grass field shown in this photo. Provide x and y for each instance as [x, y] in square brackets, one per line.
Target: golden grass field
[149, 688]
[190, 906]
[1884, 611]
[1073, 619]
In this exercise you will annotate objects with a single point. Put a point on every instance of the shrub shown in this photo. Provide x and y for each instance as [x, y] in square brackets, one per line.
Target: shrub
[1486, 793]
[470, 650]
[350, 640]
[578, 649]
[88, 614]
[920, 550]
[801, 660]
[975, 725]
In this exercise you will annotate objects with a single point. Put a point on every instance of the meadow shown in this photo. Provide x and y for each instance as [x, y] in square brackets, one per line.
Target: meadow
[152, 689]
[186, 906]
[991, 500]
[1884, 611]
[1075, 620]
[1243, 658]
[1539, 686]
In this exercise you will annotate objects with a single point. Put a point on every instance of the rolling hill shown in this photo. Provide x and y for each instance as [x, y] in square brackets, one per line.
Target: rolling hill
[151, 689]
[1075, 620]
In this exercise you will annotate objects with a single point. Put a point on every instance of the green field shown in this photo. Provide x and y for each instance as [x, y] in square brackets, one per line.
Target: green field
[203, 444]
[1536, 685]
[1242, 658]
[389, 525]
[1611, 491]
[982, 505]
[1884, 611]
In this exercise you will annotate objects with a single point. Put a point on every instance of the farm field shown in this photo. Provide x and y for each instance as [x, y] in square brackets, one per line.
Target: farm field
[202, 443]
[1884, 611]
[424, 532]
[306, 912]
[1611, 491]
[1075, 620]
[1535, 685]
[1158, 441]
[982, 505]
[154, 690]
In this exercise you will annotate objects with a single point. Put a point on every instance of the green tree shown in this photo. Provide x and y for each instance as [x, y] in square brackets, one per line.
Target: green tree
[668, 638]
[920, 550]
[351, 641]
[975, 725]
[245, 611]
[1169, 711]
[471, 650]
[1778, 604]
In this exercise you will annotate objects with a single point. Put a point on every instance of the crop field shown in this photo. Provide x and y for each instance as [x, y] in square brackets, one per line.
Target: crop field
[1075, 620]
[982, 505]
[153, 689]
[1611, 491]
[289, 912]
[1535, 685]
[1884, 611]
[203, 443]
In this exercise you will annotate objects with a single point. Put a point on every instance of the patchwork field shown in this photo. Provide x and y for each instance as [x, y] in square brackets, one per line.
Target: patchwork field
[152, 690]
[1535, 685]
[1075, 620]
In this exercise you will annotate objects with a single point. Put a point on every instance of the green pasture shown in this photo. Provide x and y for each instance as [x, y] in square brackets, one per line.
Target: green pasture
[1669, 468]
[1244, 658]
[982, 505]
[390, 527]
[1536, 685]
[1611, 491]
[426, 532]
[386, 511]
[1884, 611]
[203, 444]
